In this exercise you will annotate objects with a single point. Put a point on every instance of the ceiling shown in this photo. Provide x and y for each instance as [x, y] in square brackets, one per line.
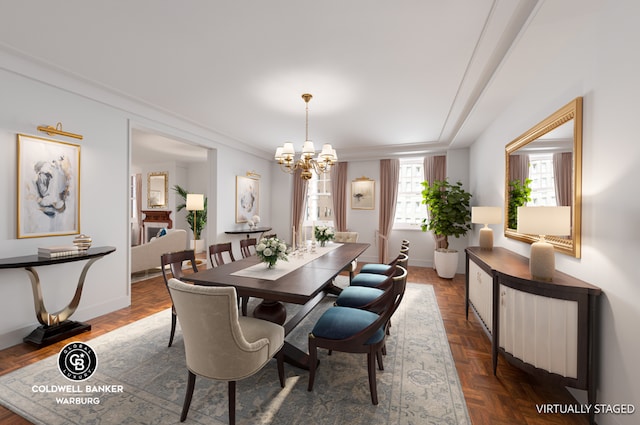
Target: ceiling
[387, 78]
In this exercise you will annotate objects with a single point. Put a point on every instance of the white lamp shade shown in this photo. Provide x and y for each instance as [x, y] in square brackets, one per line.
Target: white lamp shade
[195, 202]
[486, 215]
[308, 148]
[554, 221]
[278, 154]
[287, 149]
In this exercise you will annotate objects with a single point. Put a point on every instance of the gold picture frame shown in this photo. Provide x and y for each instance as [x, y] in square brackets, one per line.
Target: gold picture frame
[48, 187]
[363, 194]
[247, 198]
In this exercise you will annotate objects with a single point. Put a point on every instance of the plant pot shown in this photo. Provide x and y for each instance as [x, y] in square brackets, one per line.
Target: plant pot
[199, 245]
[446, 262]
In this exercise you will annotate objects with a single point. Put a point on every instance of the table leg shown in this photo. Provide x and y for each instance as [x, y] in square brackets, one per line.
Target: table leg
[273, 311]
[56, 326]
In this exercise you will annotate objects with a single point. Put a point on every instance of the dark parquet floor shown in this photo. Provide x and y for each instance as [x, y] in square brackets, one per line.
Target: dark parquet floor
[509, 398]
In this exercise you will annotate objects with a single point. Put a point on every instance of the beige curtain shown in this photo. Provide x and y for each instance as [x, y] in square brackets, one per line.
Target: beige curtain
[563, 176]
[518, 167]
[435, 168]
[389, 175]
[137, 235]
[339, 194]
[299, 200]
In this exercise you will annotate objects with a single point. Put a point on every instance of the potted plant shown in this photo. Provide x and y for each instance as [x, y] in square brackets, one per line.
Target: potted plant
[519, 195]
[449, 215]
[196, 221]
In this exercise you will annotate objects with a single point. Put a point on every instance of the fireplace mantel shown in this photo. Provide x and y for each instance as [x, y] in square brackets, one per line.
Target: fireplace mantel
[155, 219]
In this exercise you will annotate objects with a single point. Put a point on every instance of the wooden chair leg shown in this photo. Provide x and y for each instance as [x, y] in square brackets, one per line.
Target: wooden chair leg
[191, 381]
[245, 302]
[371, 366]
[313, 356]
[280, 360]
[379, 358]
[232, 402]
[173, 328]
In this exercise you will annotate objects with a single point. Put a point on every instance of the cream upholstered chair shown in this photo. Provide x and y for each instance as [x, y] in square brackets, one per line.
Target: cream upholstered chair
[348, 237]
[218, 343]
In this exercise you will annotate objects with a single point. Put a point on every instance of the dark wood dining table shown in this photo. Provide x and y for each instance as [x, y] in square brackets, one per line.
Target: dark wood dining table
[306, 285]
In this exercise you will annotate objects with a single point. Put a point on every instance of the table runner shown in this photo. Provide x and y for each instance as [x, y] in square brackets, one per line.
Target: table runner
[260, 270]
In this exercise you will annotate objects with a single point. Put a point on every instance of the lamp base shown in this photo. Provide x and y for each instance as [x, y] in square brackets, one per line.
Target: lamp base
[486, 238]
[542, 263]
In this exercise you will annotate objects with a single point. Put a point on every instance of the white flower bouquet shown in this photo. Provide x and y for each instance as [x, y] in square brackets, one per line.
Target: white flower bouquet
[323, 234]
[270, 250]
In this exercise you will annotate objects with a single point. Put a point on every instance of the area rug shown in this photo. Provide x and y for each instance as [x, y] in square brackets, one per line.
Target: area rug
[138, 380]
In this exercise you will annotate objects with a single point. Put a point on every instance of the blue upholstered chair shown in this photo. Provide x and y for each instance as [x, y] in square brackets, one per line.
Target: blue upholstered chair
[353, 330]
[367, 298]
[378, 268]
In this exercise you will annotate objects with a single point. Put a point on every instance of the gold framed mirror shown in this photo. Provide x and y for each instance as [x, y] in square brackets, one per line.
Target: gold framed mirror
[549, 155]
[157, 189]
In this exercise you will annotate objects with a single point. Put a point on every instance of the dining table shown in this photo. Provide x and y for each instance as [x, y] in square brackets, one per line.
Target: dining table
[305, 280]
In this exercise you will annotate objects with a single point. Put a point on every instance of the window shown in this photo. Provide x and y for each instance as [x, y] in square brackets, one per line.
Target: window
[409, 208]
[543, 191]
[319, 201]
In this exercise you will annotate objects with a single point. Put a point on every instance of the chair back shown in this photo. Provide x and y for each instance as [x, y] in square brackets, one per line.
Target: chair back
[245, 247]
[216, 252]
[342, 237]
[215, 346]
[175, 261]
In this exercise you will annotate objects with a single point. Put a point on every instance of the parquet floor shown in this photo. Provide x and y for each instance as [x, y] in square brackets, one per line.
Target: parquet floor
[509, 398]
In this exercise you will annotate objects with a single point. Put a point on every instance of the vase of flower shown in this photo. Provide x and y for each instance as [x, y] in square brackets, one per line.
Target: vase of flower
[270, 250]
[323, 234]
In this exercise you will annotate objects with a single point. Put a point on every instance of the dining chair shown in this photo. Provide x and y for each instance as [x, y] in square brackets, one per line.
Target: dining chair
[216, 252]
[246, 247]
[175, 261]
[353, 330]
[219, 344]
[379, 268]
[348, 237]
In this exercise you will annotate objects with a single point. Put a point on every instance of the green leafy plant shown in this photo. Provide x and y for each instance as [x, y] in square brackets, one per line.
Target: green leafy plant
[449, 211]
[519, 195]
[201, 216]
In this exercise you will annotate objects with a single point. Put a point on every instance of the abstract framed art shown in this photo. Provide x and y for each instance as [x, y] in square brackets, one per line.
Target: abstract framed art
[48, 187]
[247, 198]
[363, 194]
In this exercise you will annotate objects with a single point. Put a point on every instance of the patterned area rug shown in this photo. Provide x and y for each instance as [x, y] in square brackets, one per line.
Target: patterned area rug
[141, 381]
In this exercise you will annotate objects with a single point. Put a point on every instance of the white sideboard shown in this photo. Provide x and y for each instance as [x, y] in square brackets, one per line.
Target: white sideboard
[547, 329]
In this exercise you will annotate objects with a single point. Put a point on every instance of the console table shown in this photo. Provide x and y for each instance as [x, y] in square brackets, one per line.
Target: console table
[55, 326]
[547, 329]
[248, 232]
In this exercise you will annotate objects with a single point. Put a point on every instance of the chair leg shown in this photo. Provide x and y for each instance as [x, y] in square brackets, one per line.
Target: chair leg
[191, 381]
[371, 367]
[173, 327]
[313, 360]
[245, 302]
[232, 402]
[280, 360]
[379, 358]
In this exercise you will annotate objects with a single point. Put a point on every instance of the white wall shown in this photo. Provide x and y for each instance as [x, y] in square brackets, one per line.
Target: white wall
[600, 67]
[41, 96]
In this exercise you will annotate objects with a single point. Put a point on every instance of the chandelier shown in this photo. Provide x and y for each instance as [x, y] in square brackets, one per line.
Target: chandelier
[285, 155]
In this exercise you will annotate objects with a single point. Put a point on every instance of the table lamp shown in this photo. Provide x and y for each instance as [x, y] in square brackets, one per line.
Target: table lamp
[486, 216]
[543, 221]
[195, 203]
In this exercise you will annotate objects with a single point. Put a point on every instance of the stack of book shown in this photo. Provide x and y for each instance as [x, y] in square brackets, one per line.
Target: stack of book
[58, 251]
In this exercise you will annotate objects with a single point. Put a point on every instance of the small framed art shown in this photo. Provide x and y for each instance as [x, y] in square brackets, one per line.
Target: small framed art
[48, 187]
[247, 198]
[363, 194]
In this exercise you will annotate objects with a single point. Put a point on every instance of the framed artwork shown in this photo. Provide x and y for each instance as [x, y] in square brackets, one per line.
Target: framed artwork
[363, 194]
[48, 187]
[247, 198]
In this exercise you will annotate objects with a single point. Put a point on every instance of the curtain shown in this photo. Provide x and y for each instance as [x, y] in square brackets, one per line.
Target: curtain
[389, 175]
[563, 176]
[137, 231]
[299, 201]
[519, 167]
[339, 194]
[435, 168]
